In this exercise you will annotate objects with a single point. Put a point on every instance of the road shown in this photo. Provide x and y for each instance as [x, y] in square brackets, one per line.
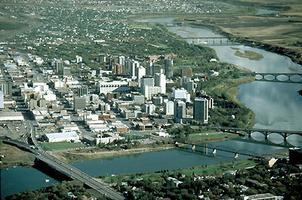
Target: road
[66, 169]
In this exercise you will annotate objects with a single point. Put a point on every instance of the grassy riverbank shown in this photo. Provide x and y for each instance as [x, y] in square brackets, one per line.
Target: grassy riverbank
[12, 156]
[204, 170]
[209, 137]
[77, 155]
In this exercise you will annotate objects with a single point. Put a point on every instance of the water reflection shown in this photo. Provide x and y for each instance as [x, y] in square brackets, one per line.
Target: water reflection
[277, 105]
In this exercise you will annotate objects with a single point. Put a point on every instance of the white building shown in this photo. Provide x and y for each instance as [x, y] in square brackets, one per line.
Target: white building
[79, 59]
[149, 108]
[149, 91]
[181, 94]
[169, 108]
[140, 73]
[71, 136]
[160, 80]
[11, 116]
[1, 100]
[113, 86]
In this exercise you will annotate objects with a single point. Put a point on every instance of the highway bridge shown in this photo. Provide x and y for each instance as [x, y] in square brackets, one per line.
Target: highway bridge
[275, 77]
[67, 170]
[211, 41]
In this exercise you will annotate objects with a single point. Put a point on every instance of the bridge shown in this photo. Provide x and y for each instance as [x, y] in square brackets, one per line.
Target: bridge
[204, 149]
[266, 132]
[67, 170]
[275, 77]
[211, 41]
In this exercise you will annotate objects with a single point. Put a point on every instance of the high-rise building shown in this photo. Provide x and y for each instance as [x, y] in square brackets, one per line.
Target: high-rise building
[79, 103]
[149, 108]
[179, 111]
[188, 84]
[169, 108]
[157, 69]
[140, 73]
[211, 102]
[168, 63]
[146, 81]
[201, 110]
[121, 60]
[1, 100]
[149, 68]
[160, 80]
[83, 90]
[181, 94]
[117, 69]
[150, 91]
[6, 86]
[58, 66]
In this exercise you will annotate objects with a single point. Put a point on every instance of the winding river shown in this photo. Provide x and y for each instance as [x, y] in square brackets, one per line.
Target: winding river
[276, 105]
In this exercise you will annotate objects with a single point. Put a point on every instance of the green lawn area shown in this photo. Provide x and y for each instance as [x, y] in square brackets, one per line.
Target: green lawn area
[218, 169]
[60, 145]
[209, 136]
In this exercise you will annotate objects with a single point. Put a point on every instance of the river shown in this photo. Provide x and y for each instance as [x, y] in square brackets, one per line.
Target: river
[276, 105]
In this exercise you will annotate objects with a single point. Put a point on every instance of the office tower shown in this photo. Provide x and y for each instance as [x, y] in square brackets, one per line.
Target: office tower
[140, 73]
[168, 63]
[160, 80]
[201, 110]
[169, 108]
[179, 111]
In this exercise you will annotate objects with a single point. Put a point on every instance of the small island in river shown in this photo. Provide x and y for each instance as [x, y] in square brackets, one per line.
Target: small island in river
[251, 55]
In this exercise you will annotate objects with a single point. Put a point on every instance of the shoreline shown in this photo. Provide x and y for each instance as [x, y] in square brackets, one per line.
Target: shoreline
[71, 156]
[293, 55]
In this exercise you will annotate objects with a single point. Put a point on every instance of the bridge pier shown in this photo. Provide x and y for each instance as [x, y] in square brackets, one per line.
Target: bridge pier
[266, 135]
[284, 137]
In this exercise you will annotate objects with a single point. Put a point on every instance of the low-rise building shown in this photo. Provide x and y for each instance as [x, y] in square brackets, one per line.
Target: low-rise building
[71, 136]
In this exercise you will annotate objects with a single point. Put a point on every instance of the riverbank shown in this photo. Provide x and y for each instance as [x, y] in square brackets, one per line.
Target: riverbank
[202, 170]
[12, 156]
[294, 54]
[78, 155]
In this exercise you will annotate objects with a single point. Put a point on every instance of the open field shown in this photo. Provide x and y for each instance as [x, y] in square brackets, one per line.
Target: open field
[209, 136]
[14, 156]
[60, 145]
[72, 156]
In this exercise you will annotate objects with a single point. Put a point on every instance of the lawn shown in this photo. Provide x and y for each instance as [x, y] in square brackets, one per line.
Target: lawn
[209, 136]
[218, 169]
[60, 145]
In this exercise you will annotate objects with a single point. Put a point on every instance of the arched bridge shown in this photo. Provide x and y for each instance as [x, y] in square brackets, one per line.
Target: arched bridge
[211, 41]
[275, 77]
[266, 132]
[67, 169]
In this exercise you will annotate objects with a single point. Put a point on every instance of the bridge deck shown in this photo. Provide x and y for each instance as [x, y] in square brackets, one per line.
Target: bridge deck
[68, 170]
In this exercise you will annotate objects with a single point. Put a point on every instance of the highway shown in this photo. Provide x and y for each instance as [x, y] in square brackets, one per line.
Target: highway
[67, 169]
